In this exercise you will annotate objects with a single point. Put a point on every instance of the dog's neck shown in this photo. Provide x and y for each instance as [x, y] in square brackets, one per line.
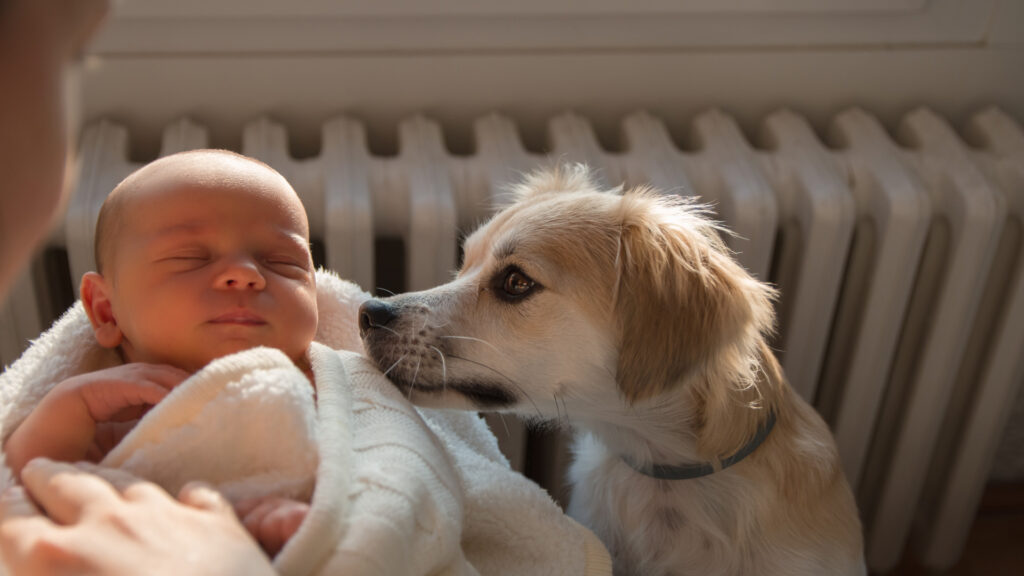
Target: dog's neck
[691, 423]
[651, 431]
[672, 452]
[690, 471]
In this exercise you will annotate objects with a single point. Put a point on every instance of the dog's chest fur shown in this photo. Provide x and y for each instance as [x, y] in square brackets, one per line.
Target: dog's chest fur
[711, 526]
[650, 526]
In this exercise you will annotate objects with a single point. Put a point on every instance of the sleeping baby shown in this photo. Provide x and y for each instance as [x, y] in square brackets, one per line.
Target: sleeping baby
[200, 255]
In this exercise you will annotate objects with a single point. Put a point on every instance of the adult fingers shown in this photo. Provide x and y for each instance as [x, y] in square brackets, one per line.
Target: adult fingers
[131, 487]
[119, 480]
[64, 491]
[205, 497]
[22, 532]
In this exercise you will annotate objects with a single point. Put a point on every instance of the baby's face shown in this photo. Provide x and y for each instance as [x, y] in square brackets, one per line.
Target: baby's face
[205, 270]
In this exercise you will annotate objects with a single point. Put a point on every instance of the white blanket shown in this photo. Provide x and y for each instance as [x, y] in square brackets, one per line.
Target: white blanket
[393, 489]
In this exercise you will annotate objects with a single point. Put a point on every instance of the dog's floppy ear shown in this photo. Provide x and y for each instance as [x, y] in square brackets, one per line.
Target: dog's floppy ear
[680, 296]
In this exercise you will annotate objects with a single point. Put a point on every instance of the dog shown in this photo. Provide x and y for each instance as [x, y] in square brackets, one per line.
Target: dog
[625, 314]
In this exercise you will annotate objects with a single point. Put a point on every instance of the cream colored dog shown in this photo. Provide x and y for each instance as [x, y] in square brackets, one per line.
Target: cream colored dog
[626, 315]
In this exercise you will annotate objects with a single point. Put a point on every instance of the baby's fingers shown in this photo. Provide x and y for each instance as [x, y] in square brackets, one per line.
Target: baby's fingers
[273, 521]
[163, 375]
[169, 376]
[252, 513]
[107, 401]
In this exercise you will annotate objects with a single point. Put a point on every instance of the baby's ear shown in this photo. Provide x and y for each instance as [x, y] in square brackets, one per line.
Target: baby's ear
[95, 294]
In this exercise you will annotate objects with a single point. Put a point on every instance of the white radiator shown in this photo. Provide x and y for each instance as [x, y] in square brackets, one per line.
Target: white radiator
[899, 261]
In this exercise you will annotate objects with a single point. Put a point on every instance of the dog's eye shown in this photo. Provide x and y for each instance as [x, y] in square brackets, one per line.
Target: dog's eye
[516, 284]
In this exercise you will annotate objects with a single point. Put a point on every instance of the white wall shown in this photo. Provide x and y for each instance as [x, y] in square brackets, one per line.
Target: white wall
[224, 62]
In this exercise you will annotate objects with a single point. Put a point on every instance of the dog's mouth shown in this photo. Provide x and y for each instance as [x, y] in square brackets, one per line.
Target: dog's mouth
[421, 363]
[484, 395]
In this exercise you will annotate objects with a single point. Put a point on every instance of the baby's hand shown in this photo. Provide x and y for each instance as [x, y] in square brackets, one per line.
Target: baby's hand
[272, 521]
[63, 426]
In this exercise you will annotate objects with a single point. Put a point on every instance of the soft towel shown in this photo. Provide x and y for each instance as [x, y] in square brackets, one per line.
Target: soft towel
[394, 489]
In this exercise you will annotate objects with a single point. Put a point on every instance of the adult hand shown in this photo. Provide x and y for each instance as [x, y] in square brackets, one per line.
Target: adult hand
[101, 521]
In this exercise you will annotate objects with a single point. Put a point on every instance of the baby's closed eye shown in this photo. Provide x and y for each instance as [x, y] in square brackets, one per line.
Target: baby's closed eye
[288, 265]
[184, 260]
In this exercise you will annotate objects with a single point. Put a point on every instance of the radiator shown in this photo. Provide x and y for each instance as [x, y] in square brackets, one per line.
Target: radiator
[898, 257]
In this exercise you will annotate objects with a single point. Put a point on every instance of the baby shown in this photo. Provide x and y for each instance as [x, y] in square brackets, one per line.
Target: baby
[199, 255]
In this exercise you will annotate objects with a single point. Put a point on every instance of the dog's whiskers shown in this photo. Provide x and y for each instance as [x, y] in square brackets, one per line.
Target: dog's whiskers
[561, 411]
[383, 289]
[509, 380]
[444, 368]
[392, 330]
[472, 339]
[438, 326]
[402, 357]
[412, 385]
[508, 433]
[395, 364]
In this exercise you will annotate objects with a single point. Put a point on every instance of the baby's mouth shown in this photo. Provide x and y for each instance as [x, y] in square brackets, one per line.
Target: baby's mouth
[242, 317]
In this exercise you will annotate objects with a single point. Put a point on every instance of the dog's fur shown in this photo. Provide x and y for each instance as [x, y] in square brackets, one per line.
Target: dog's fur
[643, 332]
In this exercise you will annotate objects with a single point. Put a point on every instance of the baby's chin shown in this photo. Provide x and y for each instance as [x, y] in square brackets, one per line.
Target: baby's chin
[299, 357]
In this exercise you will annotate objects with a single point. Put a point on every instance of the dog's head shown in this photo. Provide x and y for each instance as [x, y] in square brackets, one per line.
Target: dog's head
[575, 299]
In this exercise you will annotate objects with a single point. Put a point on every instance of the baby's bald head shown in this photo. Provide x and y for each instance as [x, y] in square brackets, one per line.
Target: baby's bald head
[191, 169]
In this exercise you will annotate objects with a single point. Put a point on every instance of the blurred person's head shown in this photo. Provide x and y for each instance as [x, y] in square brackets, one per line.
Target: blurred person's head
[38, 41]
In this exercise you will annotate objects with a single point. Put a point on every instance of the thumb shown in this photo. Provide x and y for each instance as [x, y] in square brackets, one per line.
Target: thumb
[205, 497]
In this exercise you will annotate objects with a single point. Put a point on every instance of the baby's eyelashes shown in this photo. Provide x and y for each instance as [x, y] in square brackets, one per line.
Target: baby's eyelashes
[184, 262]
[289, 265]
[190, 258]
[183, 252]
[286, 261]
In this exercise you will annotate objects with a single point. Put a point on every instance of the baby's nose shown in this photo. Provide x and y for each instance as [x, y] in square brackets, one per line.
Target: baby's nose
[241, 275]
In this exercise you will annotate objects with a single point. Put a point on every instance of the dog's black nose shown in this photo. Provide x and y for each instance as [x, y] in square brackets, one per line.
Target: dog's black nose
[374, 314]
